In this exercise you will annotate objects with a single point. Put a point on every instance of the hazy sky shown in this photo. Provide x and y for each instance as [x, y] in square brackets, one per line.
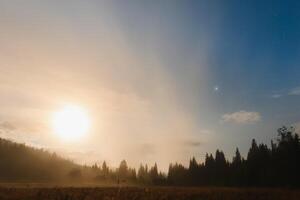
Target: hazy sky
[161, 80]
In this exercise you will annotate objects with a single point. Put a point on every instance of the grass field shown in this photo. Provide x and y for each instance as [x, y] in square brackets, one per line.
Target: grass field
[152, 193]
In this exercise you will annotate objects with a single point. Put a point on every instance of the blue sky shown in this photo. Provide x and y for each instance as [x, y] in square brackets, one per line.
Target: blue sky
[250, 50]
[148, 73]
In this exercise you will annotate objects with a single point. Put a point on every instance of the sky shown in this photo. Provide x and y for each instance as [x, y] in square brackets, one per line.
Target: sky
[161, 81]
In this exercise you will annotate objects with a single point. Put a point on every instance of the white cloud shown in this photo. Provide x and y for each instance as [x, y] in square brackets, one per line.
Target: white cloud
[295, 91]
[242, 117]
[290, 92]
[276, 96]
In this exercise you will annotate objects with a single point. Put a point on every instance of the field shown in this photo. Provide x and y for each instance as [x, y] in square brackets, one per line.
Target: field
[141, 193]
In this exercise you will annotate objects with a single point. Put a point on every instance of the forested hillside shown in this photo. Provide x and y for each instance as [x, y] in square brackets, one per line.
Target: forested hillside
[277, 165]
[23, 163]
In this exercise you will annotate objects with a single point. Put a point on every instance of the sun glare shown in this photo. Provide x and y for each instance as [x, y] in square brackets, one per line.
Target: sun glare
[71, 123]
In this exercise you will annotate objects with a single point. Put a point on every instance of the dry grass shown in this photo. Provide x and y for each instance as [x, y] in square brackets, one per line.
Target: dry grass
[141, 193]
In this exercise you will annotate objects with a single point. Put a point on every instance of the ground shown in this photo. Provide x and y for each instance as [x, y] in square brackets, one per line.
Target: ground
[145, 193]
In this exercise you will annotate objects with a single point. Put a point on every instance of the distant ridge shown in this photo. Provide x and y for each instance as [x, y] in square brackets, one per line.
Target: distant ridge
[19, 162]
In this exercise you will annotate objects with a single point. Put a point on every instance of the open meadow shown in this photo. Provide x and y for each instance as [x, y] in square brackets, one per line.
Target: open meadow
[142, 193]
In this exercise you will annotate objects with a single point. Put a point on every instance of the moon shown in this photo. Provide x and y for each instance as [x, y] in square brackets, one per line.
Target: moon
[71, 123]
[216, 88]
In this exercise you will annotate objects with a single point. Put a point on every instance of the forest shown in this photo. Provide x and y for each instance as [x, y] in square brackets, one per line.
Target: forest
[274, 166]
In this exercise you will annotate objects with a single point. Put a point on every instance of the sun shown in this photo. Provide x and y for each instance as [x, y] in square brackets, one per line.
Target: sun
[71, 123]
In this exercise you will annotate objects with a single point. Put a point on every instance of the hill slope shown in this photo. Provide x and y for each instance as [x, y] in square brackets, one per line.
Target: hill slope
[19, 162]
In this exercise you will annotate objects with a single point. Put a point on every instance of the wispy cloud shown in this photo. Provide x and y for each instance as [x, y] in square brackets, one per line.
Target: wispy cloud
[294, 91]
[192, 143]
[289, 92]
[276, 96]
[242, 117]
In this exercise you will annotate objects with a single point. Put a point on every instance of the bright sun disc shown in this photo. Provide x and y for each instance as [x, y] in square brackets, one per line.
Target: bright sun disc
[71, 123]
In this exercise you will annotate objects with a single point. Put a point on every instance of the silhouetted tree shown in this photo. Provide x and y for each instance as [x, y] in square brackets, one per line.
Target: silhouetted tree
[105, 169]
[237, 169]
[237, 159]
[153, 173]
[123, 170]
[143, 175]
[193, 172]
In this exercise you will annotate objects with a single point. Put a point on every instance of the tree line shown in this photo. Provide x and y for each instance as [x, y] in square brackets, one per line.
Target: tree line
[273, 166]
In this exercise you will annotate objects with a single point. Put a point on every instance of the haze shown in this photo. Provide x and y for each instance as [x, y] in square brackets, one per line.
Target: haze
[161, 82]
